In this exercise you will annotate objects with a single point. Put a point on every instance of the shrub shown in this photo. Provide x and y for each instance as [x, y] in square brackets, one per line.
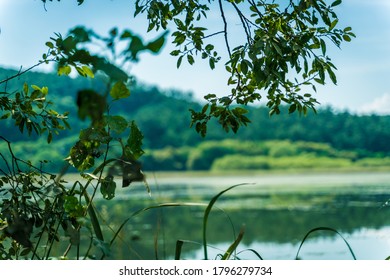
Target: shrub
[239, 162]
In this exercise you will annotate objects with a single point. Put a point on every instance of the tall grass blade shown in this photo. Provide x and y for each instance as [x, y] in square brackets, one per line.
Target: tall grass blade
[207, 213]
[254, 252]
[234, 245]
[179, 246]
[94, 218]
[325, 229]
[150, 208]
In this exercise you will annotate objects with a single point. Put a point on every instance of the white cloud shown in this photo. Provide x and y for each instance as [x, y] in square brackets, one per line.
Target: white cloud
[380, 106]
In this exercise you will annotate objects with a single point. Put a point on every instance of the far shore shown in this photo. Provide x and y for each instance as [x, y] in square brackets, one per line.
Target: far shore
[273, 178]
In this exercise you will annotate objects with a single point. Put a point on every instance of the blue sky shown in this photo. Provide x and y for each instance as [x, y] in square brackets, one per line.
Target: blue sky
[363, 65]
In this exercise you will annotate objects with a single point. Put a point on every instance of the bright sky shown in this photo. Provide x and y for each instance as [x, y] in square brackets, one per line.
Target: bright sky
[363, 65]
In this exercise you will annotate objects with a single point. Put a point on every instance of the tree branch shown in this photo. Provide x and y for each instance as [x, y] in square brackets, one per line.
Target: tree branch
[225, 27]
[244, 22]
[20, 72]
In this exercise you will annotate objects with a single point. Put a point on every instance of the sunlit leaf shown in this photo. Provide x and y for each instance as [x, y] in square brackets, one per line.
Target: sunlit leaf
[88, 72]
[119, 90]
[25, 88]
[64, 70]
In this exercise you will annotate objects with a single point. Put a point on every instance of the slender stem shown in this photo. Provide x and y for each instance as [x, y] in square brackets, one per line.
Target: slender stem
[20, 72]
[225, 27]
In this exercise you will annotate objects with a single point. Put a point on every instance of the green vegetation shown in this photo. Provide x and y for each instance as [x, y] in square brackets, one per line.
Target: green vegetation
[101, 124]
[234, 155]
[323, 141]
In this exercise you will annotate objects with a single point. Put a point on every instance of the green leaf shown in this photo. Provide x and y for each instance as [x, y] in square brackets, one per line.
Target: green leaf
[117, 123]
[234, 245]
[347, 29]
[135, 47]
[244, 67]
[111, 70]
[324, 229]
[64, 70]
[25, 88]
[347, 38]
[212, 63]
[134, 141]
[175, 52]
[49, 138]
[45, 90]
[93, 217]
[332, 75]
[69, 44]
[323, 47]
[80, 155]
[107, 188]
[292, 108]
[336, 3]
[119, 90]
[81, 34]
[333, 24]
[190, 59]
[91, 104]
[156, 45]
[132, 173]
[49, 45]
[88, 71]
[35, 87]
[73, 207]
[179, 60]
[277, 48]
[207, 214]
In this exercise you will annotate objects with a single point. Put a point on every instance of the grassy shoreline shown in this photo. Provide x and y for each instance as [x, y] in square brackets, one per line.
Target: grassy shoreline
[262, 181]
[275, 172]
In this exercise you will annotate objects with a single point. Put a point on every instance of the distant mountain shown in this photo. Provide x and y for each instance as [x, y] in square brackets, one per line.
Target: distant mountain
[164, 118]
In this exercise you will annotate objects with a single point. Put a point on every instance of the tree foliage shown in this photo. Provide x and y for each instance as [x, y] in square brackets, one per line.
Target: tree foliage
[284, 54]
[36, 206]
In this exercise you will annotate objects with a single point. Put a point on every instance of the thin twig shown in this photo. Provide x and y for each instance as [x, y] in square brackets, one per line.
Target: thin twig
[225, 27]
[255, 7]
[244, 22]
[20, 72]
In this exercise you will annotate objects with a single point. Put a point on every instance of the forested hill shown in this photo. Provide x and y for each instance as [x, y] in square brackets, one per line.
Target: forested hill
[164, 119]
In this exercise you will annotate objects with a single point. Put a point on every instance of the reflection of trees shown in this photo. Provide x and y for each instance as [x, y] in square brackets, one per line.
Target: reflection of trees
[266, 225]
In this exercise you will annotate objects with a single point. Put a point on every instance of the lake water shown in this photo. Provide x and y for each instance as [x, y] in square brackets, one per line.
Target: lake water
[276, 212]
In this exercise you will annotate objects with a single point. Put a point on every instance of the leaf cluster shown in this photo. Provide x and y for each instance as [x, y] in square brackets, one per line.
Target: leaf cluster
[31, 207]
[285, 54]
[21, 215]
[95, 141]
[74, 52]
[31, 111]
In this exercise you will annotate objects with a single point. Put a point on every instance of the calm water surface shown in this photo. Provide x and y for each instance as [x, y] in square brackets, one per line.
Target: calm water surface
[276, 211]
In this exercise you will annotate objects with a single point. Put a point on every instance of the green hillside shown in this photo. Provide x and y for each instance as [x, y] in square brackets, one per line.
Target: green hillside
[323, 140]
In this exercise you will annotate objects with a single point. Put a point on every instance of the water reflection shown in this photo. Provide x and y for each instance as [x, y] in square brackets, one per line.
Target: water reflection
[275, 220]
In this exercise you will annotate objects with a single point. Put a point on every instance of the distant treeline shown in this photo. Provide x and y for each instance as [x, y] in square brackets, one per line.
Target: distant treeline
[164, 119]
